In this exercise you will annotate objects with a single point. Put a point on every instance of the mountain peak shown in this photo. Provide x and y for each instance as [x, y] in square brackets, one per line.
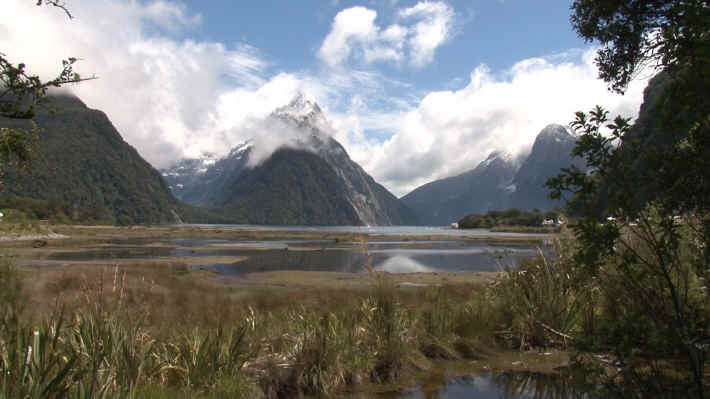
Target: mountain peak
[497, 158]
[554, 130]
[553, 135]
[500, 154]
[303, 106]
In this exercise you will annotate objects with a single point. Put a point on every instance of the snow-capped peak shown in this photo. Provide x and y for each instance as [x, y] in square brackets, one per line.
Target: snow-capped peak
[556, 132]
[240, 148]
[302, 106]
[494, 155]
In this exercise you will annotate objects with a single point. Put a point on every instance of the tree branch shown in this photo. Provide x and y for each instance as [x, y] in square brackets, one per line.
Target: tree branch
[57, 4]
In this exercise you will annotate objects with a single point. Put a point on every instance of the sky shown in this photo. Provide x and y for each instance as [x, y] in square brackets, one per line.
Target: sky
[414, 90]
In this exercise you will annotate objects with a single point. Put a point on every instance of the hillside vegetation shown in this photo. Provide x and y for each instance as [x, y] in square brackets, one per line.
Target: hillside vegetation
[85, 170]
[509, 217]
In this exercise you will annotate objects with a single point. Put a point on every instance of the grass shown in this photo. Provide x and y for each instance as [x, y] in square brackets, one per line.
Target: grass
[162, 329]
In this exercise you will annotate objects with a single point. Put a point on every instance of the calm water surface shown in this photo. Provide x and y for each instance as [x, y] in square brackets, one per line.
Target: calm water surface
[501, 385]
[395, 256]
[371, 230]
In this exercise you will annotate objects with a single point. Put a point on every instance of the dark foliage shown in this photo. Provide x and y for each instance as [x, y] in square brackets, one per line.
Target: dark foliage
[651, 263]
[509, 217]
[84, 163]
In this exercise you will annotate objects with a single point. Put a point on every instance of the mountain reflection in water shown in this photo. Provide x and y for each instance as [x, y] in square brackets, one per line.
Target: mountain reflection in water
[394, 258]
[319, 255]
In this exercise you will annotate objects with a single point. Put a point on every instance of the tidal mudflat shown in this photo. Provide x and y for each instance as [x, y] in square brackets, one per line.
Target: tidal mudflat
[238, 252]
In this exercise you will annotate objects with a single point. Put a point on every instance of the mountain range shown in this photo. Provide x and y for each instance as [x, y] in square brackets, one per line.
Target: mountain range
[307, 178]
[499, 182]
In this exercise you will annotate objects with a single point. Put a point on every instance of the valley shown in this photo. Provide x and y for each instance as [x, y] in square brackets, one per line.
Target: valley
[400, 199]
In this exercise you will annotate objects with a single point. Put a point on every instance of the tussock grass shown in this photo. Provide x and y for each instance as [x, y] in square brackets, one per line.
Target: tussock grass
[163, 330]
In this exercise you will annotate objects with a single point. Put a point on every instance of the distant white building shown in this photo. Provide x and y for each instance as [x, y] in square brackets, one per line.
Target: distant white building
[454, 225]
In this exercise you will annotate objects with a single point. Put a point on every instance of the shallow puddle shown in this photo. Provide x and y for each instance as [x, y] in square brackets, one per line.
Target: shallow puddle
[500, 385]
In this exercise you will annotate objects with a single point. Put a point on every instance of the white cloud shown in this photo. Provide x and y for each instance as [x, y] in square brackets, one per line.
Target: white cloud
[449, 132]
[350, 26]
[420, 30]
[161, 93]
[433, 29]
[170, 16]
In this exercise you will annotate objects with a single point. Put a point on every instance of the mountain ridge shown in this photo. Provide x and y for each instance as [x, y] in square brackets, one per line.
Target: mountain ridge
[497, 183]
[83, 161]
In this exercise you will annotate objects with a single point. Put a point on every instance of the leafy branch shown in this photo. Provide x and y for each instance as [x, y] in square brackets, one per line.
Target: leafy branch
[22, 91]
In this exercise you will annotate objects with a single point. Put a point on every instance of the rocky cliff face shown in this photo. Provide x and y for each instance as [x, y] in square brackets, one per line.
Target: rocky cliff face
[551, 152]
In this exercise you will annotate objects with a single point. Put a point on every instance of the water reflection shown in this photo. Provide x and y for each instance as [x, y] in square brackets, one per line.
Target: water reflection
[506, 385]
[318, 255]
[369, 230]
[403, 264]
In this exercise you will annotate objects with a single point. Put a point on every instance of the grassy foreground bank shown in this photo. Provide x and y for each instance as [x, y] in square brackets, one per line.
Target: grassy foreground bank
[165, 330]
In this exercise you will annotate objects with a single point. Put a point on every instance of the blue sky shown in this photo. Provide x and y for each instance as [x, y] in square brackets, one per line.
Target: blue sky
[497, 33]
[288, 34]
[414, 90]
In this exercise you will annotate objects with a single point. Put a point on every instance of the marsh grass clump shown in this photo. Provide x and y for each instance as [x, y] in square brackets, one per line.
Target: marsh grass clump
[542, 302]
[436, 320]
[389, 326]
[200, 359]
[370, 340]
[328, 353]
[106, 349]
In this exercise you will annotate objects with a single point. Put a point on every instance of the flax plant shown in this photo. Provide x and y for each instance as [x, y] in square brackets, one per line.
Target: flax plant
[34, 362]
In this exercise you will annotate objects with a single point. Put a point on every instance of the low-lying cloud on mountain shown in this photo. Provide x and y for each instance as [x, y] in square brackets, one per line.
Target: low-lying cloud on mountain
[450, 131]
[173, 96]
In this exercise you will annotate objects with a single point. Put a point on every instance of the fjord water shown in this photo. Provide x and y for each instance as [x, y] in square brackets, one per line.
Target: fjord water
[395, 255]
[390, 256]
[369, 230]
